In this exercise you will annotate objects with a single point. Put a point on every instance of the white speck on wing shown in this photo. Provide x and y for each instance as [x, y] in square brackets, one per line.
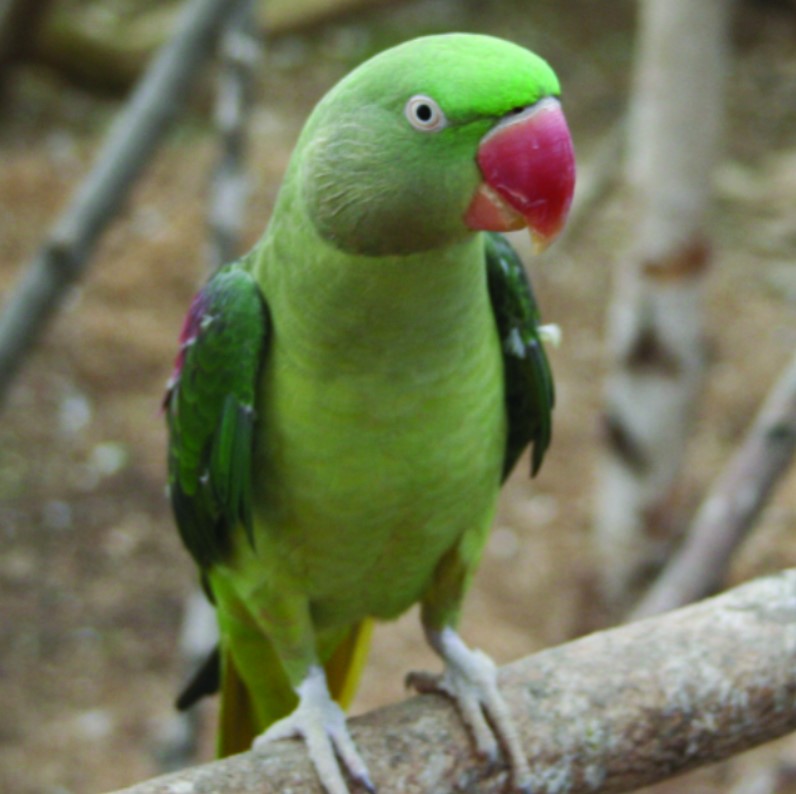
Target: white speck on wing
[513, 344]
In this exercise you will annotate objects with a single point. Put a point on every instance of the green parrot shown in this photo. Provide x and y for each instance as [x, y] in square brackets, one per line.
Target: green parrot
[349, 396]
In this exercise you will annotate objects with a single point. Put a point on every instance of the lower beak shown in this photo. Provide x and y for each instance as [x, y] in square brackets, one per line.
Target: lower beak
[528, 164]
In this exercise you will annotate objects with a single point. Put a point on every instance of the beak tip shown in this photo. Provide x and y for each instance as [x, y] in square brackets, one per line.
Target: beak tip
[539, 242]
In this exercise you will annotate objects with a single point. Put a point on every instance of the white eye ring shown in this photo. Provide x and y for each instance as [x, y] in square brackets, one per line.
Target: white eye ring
[424, 114]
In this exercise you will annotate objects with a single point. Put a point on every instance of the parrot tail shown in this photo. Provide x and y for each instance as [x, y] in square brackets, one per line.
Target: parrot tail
[245, 714]
[236, 723]
[345, 666]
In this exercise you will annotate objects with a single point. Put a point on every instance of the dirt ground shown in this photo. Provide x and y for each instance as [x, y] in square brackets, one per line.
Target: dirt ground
[92, 575]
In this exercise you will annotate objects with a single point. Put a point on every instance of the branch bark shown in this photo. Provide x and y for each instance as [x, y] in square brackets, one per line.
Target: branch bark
[732, 505]
[131, 141]
[610, 712]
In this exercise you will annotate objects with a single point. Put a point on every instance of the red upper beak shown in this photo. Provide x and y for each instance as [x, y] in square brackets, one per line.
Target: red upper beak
[528, 165]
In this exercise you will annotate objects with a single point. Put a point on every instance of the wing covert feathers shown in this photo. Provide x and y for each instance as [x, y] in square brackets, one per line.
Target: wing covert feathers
[210, 412]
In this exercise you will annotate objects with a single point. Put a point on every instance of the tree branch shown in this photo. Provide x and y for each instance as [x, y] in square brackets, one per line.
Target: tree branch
[731, 506]
[607, 713]
[131, 141]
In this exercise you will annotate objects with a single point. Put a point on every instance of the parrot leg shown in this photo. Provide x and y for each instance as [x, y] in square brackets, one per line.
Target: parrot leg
[470, 678]
[322, 724]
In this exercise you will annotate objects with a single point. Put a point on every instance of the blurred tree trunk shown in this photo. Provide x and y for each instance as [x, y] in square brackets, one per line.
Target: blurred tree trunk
[655, 321]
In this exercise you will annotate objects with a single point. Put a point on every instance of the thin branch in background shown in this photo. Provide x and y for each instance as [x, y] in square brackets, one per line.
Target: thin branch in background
[240, 54]
[732, 505]
[132, 140]
[610, 712]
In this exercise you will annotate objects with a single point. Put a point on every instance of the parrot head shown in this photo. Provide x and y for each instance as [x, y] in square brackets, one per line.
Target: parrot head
[433, 140]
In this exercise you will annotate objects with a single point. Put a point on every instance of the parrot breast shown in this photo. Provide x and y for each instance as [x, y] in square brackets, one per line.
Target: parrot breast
[383, 433]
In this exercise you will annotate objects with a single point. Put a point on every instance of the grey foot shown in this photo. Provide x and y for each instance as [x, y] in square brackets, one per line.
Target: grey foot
[470, 678]
[322, 724]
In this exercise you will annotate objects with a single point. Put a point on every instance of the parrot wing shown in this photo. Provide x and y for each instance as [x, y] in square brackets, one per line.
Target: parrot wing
[209, 407]
[530, 394]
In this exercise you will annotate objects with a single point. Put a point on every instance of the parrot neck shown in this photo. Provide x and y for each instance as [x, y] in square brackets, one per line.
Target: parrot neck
[359, 310]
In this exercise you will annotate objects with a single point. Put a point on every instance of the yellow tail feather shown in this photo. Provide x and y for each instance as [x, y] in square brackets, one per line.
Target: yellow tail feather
[345, 666]
[236, 727]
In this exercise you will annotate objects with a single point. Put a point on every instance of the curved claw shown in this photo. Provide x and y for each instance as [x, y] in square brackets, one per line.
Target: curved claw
[322, 724]
[470, 678]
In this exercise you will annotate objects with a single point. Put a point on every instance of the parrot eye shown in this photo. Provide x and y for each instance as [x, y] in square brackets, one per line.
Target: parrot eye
[424, 114]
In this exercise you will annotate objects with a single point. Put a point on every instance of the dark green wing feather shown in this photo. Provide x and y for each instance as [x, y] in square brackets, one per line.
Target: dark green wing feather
[210, 412]
[530, 395]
